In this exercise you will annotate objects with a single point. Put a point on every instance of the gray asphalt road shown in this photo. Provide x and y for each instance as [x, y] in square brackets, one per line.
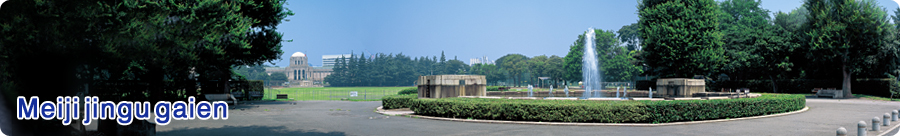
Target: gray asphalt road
[358, 118]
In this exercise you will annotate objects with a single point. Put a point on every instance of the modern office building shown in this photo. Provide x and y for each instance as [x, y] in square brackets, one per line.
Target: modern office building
[482, 60]
[329, 60]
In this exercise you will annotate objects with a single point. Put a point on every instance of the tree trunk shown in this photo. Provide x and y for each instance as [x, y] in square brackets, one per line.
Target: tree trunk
[846, 82]
[774, 86]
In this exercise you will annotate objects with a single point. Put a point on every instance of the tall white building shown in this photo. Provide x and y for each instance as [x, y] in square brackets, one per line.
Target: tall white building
[328, 60]
[482, 60]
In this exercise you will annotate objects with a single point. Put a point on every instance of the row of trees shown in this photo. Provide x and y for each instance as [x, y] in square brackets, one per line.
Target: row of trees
[258, 72]
[390, 70]
[738, 40]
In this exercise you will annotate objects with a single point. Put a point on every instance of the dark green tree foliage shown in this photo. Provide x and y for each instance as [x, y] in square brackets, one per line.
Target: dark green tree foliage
[554, 69]
[630, 36]
[743, 24]
[573, 60]
[847, 35]
[616, 62]
[516, 65]
[388, 70]
[256, 72]
[154, 42]
[536, 67]
[681, 37]
[492, 73]
[621, 67]
[756, 48]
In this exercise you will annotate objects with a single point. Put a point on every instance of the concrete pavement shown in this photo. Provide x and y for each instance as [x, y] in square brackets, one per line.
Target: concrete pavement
[358, 118]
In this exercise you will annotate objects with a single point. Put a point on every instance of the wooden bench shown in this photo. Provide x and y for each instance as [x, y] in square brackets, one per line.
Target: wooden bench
[237, 95]
[255, 94]
[831, 93]
[221, 97]
[281, 96]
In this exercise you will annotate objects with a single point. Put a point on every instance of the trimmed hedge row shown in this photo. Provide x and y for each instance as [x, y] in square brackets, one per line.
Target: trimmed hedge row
[606, 111]
[409, 91]
[397, 101]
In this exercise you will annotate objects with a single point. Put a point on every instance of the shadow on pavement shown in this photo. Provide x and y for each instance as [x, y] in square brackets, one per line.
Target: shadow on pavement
[249, 130]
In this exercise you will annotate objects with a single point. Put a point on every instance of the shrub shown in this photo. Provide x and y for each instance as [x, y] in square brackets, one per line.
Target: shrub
[409, 91]
[606, 111]
[397, 101]
[493, 88]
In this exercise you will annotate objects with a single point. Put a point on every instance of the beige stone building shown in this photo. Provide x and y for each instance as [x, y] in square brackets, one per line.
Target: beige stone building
[299, 72]
[444, 86]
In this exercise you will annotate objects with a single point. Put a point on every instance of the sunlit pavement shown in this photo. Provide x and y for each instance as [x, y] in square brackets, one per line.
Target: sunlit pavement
[358, 118]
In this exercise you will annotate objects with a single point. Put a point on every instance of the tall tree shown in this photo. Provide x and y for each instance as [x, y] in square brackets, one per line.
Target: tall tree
[681, 37]
[536, 67]
[573, 60]
[554, 69]
[516, 65]
[846, 34]
[620, 68]
[630, 36]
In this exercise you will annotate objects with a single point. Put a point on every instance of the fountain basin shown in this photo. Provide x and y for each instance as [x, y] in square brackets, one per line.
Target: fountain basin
[606, 99]
[652, 99]
[525, 98]
[560, 98]
[686, 98]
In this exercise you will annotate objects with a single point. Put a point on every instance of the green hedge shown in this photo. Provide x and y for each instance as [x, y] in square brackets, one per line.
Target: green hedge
[397, 101]
[409, 91]
[606, 111]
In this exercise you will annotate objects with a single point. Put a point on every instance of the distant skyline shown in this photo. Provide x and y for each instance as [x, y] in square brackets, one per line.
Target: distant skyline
[461, 28]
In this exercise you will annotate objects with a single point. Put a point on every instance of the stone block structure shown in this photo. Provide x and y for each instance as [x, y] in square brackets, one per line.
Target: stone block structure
[444, 86]
[680, 87]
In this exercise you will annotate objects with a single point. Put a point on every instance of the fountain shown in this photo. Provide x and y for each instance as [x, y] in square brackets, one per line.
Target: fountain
[567, 91]
[530, 92]
[589, 68]
[617, 92]
[551, 91]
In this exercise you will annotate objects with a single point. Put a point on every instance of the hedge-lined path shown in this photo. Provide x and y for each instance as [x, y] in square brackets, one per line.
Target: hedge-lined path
[357, 118]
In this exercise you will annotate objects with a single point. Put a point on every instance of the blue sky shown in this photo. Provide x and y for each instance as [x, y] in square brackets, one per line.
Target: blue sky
[462, 28]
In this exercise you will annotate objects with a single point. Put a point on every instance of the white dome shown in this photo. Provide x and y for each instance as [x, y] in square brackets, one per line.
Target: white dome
[298, 54]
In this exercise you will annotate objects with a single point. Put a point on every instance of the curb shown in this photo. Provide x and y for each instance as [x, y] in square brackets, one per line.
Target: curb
[889, 130]
[381, 111]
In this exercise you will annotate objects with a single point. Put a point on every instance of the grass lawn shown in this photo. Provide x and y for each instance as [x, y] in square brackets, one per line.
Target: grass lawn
[875, 97]
[334, 93]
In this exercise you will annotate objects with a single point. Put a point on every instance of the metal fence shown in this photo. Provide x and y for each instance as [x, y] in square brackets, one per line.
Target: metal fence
[365, 95]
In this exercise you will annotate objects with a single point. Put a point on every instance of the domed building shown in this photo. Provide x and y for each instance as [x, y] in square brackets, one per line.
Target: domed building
[300, 73]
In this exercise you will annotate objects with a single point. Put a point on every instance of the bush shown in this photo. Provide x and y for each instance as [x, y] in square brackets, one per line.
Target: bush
[408, 91]
[606, 111]
[397, 101]
[493, 88]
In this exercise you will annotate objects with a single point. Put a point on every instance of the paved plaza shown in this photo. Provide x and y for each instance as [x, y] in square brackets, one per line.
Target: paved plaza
[357, 118]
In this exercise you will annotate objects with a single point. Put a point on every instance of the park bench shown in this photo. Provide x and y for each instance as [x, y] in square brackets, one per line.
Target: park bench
[221, 97]
[281, 96]
[256, 94]
[833, 93]
[237, 95]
